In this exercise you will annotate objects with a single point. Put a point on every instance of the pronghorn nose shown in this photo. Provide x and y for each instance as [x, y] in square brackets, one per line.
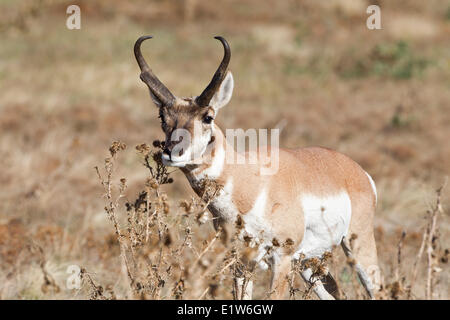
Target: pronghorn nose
[168, 152]
[169, 148]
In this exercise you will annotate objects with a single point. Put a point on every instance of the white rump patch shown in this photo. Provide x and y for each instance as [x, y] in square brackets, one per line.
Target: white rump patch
[374, 188]
[327, 220]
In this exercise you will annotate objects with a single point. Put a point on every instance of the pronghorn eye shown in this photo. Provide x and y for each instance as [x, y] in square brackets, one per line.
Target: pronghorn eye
[208, 119]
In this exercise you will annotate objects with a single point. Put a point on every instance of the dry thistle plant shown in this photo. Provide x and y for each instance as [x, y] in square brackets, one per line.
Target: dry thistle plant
[96, 292]
[434, 253]
[145, 241]
[169, 252]
[49, 284]
[319, 268]
[241, 257]
[398, 287]
[157, 246]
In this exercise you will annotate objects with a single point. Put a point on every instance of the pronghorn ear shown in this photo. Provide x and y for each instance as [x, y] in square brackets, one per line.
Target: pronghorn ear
[155, 99]
[223, 95]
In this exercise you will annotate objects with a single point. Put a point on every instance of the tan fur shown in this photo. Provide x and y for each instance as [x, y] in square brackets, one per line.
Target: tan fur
[288, 205]
[314, 170]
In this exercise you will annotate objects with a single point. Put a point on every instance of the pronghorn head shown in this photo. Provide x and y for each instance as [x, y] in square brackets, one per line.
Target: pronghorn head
[188, 123]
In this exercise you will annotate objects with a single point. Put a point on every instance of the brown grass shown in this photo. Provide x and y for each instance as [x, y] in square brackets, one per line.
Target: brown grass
[380, 97]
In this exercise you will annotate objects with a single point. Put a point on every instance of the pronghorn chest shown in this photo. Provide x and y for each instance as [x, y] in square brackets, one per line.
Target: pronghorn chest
[229, 203]
[223, 206]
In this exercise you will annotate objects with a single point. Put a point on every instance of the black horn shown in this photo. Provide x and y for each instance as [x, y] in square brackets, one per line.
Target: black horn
[207, 94]
[148, 77]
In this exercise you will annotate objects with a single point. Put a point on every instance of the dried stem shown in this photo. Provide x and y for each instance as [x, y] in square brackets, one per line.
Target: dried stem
[432, 260]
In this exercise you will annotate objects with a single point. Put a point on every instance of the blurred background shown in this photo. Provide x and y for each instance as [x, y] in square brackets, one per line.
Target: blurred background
[380, 96]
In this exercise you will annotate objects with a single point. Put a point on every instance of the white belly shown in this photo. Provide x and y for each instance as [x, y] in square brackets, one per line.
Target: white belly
[327, 220]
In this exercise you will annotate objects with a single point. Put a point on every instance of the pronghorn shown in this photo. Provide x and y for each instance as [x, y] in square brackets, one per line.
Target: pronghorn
[317, 198]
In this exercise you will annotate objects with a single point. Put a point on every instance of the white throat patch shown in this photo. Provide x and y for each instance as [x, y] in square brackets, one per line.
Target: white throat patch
[215, 169]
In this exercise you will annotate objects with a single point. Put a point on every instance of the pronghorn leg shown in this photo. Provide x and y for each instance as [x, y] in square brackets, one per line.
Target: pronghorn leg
[243, 288]
[331, 286]
[359, 244]
[365, 263]
[317, 284]
[278, 283]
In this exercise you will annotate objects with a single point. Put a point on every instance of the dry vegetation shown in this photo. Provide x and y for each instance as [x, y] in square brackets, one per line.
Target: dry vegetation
[381, 97]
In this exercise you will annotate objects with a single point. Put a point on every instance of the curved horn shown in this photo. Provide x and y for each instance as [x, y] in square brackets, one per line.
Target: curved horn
[149, 78]
[207, 94]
